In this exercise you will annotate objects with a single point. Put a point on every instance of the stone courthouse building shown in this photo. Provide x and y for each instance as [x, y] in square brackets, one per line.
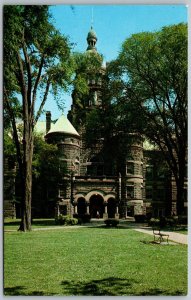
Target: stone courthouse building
[97, 183]
[100, 184]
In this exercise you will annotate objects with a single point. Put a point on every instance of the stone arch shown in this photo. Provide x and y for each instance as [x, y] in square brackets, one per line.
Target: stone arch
[113, 196]
[95, 192]
[96, 204]
[77, 196]
[111, 207]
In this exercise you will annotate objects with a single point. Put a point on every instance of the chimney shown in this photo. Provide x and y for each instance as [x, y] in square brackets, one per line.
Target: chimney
[48, 121]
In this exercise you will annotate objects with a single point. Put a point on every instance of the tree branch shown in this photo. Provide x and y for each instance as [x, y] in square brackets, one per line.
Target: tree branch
[43, 101]
[29, 74]
[15, 133]
[36, 85]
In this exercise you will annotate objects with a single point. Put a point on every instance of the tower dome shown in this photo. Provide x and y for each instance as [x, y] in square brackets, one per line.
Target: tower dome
[91, 39]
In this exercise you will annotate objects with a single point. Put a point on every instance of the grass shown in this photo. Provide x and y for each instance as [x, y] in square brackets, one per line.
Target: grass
[13, 224]
[92, 261]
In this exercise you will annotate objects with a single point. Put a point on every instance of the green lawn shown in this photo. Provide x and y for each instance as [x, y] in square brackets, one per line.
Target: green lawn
[92, 261]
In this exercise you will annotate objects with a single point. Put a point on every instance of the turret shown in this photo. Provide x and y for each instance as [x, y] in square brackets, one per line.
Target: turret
[91, 40]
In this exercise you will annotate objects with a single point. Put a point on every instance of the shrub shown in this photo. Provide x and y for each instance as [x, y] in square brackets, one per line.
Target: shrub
[153, 222]
[65, 220]
[183, 220]
[82, 218]
[86, 218]
[140, 218]
[162, 222]
[111, 222]
[172, 221]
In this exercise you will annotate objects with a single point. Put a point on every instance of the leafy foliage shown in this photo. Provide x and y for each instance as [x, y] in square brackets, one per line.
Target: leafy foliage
[36, 61]
[151, 70]
[66, 220]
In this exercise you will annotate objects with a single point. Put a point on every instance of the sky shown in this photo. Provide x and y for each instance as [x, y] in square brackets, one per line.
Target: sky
[112, 24]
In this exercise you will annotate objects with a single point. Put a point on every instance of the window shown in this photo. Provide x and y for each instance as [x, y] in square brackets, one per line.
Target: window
[149, 172]
[62, 193]
[95, 167]
[130, 168]
[62, 166]
[130, 191]
[77, 165]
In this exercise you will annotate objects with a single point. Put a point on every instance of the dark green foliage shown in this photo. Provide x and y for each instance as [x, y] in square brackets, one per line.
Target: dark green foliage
[36, 62]
[183, 220]
[140, 218]
[65, 220]
[83, 219]
[46, 175]
[172, 222]
[111, 222]
[87, 69]
[86, 218]
[45, 160]
[154, 222]
[150, 74]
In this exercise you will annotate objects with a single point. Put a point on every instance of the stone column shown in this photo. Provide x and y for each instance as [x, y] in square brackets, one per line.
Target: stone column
[105, 214]
[88, 209]
[57, 210]
[117, 213]
[75, 209]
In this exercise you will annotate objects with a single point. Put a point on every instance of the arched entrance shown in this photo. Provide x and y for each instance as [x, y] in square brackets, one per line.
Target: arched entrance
[81, 206]
[96, 206]
[111, 207]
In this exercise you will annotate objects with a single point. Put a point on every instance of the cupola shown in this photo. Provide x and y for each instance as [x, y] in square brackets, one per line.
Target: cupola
[91, 39]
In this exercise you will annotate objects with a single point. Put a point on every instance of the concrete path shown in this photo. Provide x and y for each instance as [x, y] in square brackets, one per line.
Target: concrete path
[173, 236]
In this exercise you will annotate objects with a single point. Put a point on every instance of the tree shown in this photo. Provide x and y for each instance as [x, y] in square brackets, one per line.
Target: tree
[45, 187]
[152, 71]
[88, 66]
[36, 62]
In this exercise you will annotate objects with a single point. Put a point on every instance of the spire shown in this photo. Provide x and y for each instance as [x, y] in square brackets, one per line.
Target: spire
[92, 20]
[91, 39]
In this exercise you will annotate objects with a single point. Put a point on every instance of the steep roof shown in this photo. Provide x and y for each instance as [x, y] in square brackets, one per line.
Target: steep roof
[40, 127]
[63, 125]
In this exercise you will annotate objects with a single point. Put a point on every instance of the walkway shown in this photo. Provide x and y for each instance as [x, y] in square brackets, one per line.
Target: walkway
[173, 236]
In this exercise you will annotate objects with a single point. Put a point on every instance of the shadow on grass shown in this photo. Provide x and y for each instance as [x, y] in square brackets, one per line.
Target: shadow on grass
[103, 226]
[111, 286]
[20, 291]
[35, 222]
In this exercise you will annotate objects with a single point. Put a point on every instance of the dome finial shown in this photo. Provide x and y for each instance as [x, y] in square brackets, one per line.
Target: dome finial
[92, 38]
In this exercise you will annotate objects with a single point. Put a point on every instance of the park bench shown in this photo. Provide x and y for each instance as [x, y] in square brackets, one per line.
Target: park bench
[159, 236]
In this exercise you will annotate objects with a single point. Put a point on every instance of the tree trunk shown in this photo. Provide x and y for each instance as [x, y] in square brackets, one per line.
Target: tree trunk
[25, 224]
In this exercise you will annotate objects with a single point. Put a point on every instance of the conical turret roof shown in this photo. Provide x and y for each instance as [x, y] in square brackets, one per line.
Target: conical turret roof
[63, 125]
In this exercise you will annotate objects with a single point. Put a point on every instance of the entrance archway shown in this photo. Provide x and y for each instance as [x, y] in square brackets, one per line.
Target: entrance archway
[81, 206]
[111, 207]
[96, 206]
